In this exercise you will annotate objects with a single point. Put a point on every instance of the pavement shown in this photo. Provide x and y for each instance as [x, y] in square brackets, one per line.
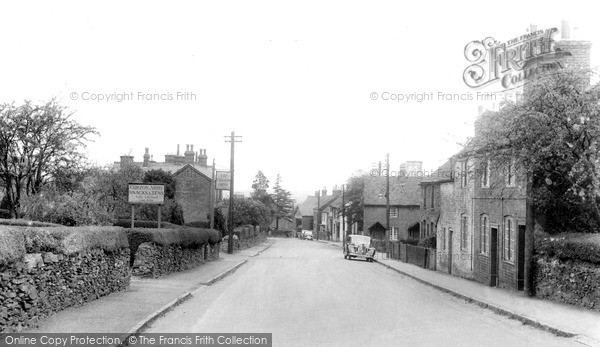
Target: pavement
[145, 300]
[559, 319]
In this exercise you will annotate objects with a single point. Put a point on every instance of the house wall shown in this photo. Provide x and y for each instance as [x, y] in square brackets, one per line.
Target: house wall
[192, 193]
[498, 201]
[307, 222]
[457, 201]
[407, 217]
[430, 214]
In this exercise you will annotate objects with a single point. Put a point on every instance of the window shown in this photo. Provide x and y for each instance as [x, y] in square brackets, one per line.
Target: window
[485, 174]
[463, 173]
[393, 212]
[443, 238]
[424, 196]
[510, 173]
[423, 229]
[427, 229]
[432, 195]
[509, 239]
[484, 235]
[394, 234]
[432, 228]
[463, 232]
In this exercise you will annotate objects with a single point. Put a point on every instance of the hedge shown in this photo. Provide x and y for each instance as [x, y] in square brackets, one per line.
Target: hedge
[4, 213]
[428, 242]
[574, 246]
[16, 241]
[126, 223]
[26, 223]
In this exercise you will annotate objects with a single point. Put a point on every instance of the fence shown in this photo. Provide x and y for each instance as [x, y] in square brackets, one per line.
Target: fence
[420, 256]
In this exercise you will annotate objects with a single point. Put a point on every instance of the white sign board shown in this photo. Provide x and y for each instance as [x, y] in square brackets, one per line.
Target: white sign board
[146, 194]
[223, 181]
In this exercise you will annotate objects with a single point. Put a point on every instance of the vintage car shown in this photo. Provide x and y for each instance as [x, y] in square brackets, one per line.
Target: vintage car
[306, 235]
[359, 246]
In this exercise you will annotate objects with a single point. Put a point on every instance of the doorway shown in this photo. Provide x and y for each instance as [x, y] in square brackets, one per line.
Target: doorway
[494, 256]
[521, 258]
[450, 233]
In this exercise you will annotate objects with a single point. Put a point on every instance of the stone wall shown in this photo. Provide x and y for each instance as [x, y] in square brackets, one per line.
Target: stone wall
[35, 284]
[155, 260]
[571, 282]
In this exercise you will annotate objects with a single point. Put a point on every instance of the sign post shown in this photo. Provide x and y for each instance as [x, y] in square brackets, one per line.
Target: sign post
[143, 193]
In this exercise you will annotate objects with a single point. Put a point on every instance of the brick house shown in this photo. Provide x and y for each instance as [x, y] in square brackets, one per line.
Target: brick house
[309, 212]
[193, 178]
[447, 211]
[405, 195]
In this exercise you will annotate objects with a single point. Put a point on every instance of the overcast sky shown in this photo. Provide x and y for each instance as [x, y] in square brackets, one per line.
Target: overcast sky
[295, 79]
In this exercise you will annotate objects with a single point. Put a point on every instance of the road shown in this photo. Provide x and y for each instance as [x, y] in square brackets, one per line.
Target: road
[306, 294]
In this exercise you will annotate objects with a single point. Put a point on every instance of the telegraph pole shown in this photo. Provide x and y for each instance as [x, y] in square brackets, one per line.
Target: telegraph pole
[387, 196]
[343, 217]
[233, 139]
[211, 196]
[318, 212]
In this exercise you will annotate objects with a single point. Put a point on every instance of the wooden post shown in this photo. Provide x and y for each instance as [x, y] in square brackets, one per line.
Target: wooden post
[132, 216]
[159, 215]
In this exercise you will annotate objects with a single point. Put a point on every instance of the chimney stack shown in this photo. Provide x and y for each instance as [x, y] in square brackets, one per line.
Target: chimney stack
[324, 191]
[177, 149]
[202, 157]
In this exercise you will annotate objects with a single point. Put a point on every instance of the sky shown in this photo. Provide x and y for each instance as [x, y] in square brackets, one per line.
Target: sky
[308, 85]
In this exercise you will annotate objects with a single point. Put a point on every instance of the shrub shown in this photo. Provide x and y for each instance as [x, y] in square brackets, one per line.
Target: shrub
[153, 224]
[69, 209]
[428, 242]
[26, 223]
[575, 246]
[412, 242]
[4, 213]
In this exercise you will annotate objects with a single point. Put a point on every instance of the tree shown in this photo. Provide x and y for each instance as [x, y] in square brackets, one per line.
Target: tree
[250, 212]
[171, 211]
[36, 143]
[282, 201]
[260, 186]
[553, 136]
[354, 196]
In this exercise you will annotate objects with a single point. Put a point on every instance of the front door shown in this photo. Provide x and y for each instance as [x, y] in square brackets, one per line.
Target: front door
[450, 232]
[494, 256]
[521, 258]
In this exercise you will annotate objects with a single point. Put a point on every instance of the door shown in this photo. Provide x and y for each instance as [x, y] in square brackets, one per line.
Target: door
[450, 232]
[494, 256]
[521, 258]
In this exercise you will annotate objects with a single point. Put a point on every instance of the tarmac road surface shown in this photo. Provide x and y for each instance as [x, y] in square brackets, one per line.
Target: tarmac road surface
[306, 294]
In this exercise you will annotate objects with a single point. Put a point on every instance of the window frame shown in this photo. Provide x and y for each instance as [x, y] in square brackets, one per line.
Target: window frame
[394, 233]
[394, 212]
[463, 232]
[484, 234]
[511, 180]
[443, 239]
[509, 239]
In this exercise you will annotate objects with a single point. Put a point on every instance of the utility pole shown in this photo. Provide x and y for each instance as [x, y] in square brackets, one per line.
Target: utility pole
[387, 196]
[233, 139]
[211, 196]
[318, 212]
[343, 217]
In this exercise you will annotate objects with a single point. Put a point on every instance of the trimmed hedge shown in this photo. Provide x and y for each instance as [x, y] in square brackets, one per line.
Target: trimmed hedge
[4, 213]
[26, 223]
[569, 246]
[16, 241]
[412, 242]
[202, 225]
[151, 224]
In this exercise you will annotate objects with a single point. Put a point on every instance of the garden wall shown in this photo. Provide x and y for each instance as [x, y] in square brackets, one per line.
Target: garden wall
[157, 252]
[47, 269]
[567, 269]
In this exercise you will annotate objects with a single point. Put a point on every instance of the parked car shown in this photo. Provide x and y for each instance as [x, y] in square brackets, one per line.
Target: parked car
[306, 235]
[359, 246]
